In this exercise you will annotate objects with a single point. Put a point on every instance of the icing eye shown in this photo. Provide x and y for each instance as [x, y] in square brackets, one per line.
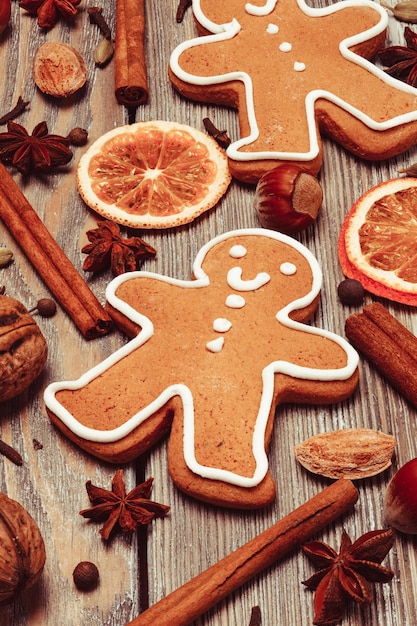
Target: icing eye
[237, 252]
[287, 268]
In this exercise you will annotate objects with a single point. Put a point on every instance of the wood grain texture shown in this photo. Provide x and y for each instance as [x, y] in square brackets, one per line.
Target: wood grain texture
[51, 482]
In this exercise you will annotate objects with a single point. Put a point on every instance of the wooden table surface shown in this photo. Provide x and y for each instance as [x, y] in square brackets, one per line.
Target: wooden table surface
[139, 570]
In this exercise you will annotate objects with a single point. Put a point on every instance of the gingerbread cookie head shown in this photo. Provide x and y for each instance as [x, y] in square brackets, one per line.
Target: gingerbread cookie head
[295, 72]
[210, 360]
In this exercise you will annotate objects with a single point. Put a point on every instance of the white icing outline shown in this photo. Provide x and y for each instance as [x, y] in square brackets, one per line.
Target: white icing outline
[227, 31]
[181, 390]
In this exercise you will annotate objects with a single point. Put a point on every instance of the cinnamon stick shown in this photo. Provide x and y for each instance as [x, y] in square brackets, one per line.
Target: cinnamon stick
[190, 601]
[131, 83]
[49, 260]
[388, 345]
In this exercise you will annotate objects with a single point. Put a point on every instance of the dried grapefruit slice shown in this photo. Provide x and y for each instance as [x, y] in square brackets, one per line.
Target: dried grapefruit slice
[154, 174]
[378, 241]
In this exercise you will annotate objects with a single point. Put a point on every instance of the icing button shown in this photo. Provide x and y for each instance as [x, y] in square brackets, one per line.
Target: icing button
[222, 325]
[235, 302]
[215, 345]
[299, 67]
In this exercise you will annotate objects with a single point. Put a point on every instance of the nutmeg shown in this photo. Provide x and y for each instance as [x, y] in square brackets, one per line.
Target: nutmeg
[23, 349]
[22, 550]
[59, 70]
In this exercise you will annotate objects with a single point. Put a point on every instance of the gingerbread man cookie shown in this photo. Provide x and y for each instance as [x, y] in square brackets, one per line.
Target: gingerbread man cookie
[295, 72]
[210, 360]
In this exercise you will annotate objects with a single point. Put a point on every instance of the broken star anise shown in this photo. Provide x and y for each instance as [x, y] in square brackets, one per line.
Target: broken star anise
[401, 61]
[38, 152]
[348, 575]
[120, 509]
[49, 11]
[107, 248]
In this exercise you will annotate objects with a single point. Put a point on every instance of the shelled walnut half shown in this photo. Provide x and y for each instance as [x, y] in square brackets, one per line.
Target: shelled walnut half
[22, 550]
[23, 348]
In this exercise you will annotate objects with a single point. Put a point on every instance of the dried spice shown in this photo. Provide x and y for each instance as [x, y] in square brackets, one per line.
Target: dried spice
[411, 170]
[183, 5]
[403, 11]
[46, 307]
[38, 152]
[86, 576]
[10, 453]
[96, 17]
[6, 255]
[220, 136]
[401, 61]
[59, 70]
[18, 108]
[49, 12]
[109, 249]
[78, 136]
[255, 618]
[118, 509]
[347, 575]
[104, 52]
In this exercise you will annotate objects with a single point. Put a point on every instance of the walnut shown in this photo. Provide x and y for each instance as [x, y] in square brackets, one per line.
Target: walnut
[23, 349]
[22, 550]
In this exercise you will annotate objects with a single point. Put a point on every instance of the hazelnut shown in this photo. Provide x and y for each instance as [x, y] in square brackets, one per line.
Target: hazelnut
[86, 576]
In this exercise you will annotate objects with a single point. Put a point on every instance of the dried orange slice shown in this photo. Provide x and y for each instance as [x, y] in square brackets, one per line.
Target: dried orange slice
[378, 241]
[154, 174]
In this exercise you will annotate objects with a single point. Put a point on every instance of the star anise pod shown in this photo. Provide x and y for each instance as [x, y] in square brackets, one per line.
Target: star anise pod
[49, 11]
[38, 152]
[401, 61]
[121, 510]
[109, 249]
[347, 575]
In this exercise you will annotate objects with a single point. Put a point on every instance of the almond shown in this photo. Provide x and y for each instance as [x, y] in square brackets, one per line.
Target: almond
[348, 453]
[59, 69]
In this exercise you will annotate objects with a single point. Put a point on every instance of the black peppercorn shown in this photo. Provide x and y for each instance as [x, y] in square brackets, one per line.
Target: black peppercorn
[351, 291]
[86, 576]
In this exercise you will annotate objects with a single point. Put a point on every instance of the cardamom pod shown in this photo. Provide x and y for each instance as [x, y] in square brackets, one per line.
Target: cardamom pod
[103, 52]
[403, 11]
[6, 256]
[411, 170]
